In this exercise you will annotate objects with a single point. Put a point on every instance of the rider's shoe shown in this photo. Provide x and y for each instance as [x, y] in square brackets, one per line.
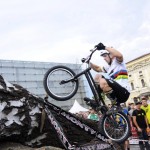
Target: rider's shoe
[90, 102]
[111, 96]
[115, 105]
[114, 102]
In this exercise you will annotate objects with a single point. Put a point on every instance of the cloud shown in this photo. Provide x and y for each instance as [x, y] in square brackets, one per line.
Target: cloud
[65, 31]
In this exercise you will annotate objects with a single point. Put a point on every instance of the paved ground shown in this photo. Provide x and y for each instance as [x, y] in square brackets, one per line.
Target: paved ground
[134, 147]
[14, 146]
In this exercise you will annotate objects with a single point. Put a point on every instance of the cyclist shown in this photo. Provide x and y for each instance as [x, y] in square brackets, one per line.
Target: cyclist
[115, 85]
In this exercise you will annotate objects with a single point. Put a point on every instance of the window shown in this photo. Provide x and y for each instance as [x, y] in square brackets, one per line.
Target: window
[143, 83]
[129, 75]
[140, 74]
[132, 86]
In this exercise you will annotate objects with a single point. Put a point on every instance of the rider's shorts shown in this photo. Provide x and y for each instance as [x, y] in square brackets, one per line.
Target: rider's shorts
[120, 92]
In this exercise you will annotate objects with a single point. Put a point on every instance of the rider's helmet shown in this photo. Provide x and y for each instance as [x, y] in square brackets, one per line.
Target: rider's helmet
[102, 52]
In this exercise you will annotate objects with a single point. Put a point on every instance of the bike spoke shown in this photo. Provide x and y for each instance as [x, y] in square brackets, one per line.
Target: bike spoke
[54, 80]
[115, 126]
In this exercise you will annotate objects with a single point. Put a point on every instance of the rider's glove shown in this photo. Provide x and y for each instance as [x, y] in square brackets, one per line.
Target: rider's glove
[100, 46]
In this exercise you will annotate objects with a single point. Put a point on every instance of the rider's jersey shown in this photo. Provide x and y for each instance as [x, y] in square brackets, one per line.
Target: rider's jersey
[118, 72]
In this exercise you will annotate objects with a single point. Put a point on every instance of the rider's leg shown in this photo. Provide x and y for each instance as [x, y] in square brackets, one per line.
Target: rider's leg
[103, 84]
[127, 145]
[113, 90]
[105, 88]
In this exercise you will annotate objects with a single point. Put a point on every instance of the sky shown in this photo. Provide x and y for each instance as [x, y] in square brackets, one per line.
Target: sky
[65, 30]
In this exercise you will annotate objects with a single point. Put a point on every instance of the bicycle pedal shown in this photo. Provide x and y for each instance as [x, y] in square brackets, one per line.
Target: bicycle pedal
[90, 102]
[86, 99]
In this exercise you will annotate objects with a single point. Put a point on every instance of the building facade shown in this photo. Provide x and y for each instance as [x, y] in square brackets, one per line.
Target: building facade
[30, 75]
[139, 76]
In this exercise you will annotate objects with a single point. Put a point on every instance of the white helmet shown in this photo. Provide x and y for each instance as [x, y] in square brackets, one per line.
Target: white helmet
[102, 52]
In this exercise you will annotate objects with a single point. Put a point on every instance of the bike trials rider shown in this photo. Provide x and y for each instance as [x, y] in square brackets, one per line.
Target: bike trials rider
[116, 87]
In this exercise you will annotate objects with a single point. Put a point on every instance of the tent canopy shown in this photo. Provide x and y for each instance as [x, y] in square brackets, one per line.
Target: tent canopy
[77, 108]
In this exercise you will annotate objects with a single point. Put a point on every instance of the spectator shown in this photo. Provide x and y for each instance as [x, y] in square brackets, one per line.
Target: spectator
[132, 108]
[99, 114]
[85, 114]
[124, 108]
[135, 99]
[93, 115]
[109, 106]
[133, 128]
[80, 114]
[146, 107]
[141, 123]
[128, 106]
[147, 98]
[125, 111]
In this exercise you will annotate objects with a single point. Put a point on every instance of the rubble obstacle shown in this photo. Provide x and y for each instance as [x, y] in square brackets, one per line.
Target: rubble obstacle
[23, 120]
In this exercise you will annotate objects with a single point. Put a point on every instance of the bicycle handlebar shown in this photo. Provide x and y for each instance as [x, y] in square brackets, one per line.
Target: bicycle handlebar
[88, 58]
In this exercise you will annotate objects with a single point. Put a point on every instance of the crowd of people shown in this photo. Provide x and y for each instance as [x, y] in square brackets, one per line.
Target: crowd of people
[140, 114]
[91, 114]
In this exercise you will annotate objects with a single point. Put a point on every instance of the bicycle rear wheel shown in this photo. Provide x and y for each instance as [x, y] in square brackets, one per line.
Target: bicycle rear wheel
[115, 126]
[53, 86]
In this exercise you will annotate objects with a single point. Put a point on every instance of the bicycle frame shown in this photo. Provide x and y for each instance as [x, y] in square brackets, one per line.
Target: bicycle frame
[75, 121]
[96, 93]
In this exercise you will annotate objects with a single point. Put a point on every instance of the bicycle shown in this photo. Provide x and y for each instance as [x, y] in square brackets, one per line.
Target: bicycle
[106, 144]
[67, 80]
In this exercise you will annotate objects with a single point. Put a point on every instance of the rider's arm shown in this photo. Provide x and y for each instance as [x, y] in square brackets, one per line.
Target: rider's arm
[95, 67]
[115, 53]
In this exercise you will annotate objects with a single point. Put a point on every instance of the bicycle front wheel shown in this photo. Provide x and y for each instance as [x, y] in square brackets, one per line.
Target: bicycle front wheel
[115, 126]
[53, 83]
